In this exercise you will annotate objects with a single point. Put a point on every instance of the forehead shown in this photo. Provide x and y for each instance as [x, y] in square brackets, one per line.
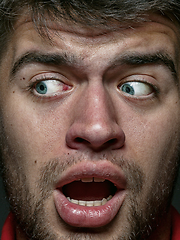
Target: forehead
[158, 34]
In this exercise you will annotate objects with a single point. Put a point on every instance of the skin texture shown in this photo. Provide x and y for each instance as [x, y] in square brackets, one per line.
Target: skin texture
[91, 120]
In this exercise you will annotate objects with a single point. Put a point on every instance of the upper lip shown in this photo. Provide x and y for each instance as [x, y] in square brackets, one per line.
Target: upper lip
[103, 169]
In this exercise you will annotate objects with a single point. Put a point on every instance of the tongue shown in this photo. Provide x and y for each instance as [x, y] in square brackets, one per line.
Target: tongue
[90, 191]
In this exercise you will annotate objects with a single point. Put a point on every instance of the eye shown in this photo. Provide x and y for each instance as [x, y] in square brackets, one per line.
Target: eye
[50, 87]
[136, 88]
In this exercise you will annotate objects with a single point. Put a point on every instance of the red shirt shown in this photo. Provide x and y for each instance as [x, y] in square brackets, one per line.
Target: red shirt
[8, 232]
[175, 225]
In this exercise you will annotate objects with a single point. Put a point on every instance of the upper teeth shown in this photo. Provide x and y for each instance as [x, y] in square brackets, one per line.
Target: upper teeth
[90, 203]
[93, 179]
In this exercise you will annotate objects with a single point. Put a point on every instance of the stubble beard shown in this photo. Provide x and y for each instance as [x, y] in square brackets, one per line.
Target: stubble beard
[32, 217]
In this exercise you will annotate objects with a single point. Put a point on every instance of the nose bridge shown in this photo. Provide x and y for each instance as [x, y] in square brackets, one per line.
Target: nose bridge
[97, 107]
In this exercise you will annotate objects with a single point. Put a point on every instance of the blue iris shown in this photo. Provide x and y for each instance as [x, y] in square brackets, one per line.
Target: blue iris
[127, 88]
[41, 87]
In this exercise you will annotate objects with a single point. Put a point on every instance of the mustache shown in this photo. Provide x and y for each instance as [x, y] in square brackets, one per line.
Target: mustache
[51, 172]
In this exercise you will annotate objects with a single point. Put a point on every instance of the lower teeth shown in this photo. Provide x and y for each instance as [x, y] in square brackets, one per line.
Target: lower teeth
[90, 203]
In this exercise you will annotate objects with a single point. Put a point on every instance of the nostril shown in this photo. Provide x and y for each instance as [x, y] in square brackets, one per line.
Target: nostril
[112, 141]
[80, 140]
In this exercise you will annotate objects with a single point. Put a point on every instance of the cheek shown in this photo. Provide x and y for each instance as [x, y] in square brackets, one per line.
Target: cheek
[33, 138]
[153, 141]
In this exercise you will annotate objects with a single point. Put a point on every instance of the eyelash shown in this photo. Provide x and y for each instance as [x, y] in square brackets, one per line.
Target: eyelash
[40, 79]
[140, 81]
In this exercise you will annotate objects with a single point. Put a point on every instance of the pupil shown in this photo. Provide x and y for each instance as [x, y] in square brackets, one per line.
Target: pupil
[42, 88]
[128, 90]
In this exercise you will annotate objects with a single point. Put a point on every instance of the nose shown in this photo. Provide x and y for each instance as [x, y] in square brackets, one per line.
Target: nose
[94, 123]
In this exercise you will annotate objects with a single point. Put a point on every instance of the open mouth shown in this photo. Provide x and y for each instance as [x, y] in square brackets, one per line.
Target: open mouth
[90, 194]
[89, 191]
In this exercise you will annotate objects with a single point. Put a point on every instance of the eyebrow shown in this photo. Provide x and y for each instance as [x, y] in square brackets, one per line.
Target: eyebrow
[135, 59]
[157, 58]
[49, 58]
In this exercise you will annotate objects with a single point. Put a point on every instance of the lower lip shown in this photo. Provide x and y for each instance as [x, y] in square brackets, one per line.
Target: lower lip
[91, 217]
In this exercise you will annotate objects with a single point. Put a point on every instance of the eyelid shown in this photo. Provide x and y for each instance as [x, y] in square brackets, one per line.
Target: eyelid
[142, 78]
[45, 76]
[139, 77]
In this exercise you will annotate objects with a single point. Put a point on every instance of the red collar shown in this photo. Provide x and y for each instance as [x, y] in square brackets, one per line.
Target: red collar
[175, 225]
[8, 231]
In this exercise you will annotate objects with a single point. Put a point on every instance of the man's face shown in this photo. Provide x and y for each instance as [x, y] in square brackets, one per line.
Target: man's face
[90, 129]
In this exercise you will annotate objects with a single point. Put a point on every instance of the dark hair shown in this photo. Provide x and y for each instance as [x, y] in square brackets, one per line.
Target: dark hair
[94, 13]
